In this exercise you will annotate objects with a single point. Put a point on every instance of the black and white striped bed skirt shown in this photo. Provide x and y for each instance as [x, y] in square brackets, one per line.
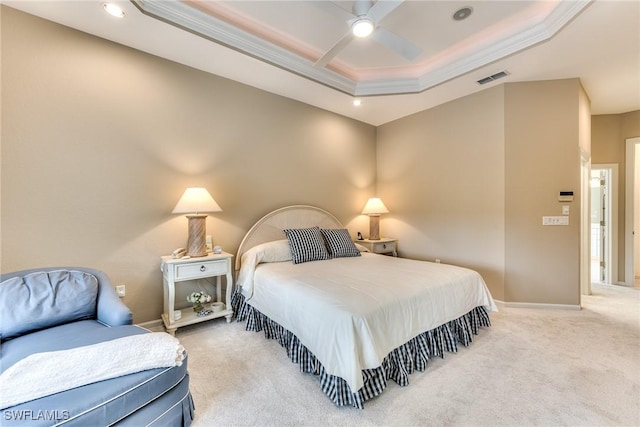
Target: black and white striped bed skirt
[397, 365]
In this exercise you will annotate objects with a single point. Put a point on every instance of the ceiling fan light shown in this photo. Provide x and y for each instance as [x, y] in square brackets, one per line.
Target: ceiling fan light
[362, 27]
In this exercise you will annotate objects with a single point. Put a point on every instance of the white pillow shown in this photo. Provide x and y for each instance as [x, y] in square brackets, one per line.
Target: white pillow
[360, 247]
[276, 251]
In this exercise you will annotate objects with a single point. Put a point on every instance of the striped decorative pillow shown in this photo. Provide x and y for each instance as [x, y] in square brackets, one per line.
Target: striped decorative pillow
[306, 244]
[339, 243]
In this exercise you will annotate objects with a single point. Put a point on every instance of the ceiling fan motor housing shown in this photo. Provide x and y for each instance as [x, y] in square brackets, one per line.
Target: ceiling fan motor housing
[361, 7]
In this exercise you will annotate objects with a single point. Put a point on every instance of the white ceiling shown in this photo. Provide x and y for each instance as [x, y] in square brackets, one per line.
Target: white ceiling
[272, 45]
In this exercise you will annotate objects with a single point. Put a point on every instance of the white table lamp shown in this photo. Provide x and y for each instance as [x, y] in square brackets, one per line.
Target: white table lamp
[374, 208]
[193, 202]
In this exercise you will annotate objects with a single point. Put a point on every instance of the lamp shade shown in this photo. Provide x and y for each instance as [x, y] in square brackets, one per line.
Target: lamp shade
[196, 200]
[374, 206]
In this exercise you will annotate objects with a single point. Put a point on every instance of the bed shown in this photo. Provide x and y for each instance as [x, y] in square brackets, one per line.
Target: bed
[353, 318]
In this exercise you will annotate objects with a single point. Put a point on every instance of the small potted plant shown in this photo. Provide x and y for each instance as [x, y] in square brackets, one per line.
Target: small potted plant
[198, 299]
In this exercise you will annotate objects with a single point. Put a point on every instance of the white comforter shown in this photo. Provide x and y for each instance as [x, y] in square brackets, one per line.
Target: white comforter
[351, 312]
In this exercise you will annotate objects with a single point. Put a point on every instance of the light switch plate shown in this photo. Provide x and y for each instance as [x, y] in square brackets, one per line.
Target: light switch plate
[555, 220]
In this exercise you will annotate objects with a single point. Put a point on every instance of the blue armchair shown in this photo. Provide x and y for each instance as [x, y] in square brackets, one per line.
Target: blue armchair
[39, 298]
[63, 308]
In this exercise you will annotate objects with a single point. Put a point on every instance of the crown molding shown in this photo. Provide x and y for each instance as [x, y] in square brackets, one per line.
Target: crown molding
[188, 18]
[204, 25]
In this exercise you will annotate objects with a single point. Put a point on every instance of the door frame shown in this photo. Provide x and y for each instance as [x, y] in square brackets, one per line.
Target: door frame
[611, 220]
[629, 276]
[585, 223]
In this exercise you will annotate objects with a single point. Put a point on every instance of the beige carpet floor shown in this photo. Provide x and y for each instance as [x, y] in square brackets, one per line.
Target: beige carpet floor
[533, 367]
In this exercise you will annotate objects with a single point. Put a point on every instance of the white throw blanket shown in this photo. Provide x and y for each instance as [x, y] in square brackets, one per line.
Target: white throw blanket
[43, 374]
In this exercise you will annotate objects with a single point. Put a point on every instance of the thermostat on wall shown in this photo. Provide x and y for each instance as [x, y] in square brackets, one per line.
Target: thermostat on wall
[565, 196]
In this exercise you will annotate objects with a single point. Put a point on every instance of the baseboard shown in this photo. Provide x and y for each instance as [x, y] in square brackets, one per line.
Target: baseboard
[498, 302]
[538, 305]
[153, 325]
[628, 285]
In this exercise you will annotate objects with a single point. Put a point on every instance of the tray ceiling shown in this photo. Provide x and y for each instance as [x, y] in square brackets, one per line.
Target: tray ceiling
[294, 35]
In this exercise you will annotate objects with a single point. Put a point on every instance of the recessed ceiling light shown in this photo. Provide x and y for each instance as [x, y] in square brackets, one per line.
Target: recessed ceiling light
[113, 10]
[362, 27]
[462, 14]
[357, 102]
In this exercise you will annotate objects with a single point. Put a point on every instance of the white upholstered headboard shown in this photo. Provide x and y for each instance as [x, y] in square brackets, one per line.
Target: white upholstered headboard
[270, 226]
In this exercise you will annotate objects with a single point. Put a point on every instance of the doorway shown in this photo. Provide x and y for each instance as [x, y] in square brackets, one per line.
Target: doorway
[603, 224]
[599, 233]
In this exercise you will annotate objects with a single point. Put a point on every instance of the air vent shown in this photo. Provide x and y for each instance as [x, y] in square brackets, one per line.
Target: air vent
[493, 77]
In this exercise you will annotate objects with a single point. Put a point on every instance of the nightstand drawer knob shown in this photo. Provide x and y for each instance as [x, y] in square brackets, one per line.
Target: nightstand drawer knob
[203, 268]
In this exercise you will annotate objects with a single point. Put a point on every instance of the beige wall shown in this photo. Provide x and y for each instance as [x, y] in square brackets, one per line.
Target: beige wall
[542, 154]
[441, 174]
[469, 181]
[608, 135]
[99, 141]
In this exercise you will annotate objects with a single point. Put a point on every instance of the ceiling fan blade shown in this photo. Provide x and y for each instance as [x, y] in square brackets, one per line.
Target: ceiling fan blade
[331, 53]
[333, 9]
[396, 43]
[382, 8]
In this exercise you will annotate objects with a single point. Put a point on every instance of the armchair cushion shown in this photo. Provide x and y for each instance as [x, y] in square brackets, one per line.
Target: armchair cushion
[46, 298]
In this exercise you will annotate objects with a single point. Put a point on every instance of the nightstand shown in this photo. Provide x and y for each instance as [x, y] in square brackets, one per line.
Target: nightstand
[179, 270]
[382, 246]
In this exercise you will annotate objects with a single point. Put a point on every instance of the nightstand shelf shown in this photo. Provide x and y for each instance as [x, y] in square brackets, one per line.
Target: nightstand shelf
[179, 270]
[382, 246]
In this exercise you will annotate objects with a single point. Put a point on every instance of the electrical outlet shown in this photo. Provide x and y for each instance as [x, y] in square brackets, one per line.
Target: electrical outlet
[438, 260]
[120, 290]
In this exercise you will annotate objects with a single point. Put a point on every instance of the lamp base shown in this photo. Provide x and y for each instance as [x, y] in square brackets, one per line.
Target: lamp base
[374, 227]
[197, 242]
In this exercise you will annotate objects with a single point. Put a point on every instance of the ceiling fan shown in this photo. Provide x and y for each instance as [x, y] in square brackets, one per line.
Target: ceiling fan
[364, 21]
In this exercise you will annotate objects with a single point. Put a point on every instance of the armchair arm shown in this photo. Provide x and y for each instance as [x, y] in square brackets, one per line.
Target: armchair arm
[111, 310]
